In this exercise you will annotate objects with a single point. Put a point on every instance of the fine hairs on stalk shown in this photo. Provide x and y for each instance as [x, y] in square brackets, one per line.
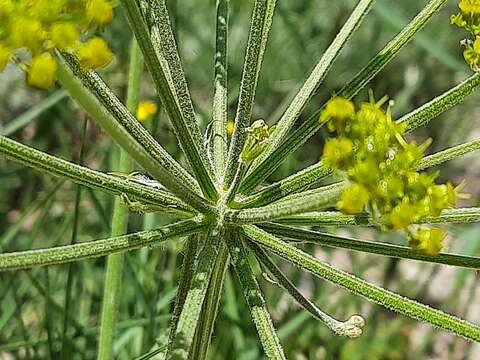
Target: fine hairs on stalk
[215, 201]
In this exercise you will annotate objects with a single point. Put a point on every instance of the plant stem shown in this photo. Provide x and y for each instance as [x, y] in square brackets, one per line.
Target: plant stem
[114, 269]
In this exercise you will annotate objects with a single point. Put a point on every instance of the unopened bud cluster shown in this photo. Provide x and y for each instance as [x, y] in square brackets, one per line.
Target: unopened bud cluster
[30, 30]
[381, 168]
[468, 18]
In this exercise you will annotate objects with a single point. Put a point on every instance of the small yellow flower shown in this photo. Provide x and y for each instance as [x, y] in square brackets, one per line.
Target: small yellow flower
[5, 55]
[98, 12]
[338, 153]
[42, 71]
[94, 54]
[146, 109]
[6, 8]
[229, 127]
[470, 6]
[338, 108]
[428, 241]
[27, 33]
[354, 199]
[64, 36]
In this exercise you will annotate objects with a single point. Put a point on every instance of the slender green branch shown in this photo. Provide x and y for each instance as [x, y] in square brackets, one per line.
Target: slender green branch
[309, 236]
[171, 87]
[448, 154]
[87, 250]
[422, 115]
[93, 179]
[334, 218]
[220, 99]
[351, 328]
[192, 308]
[114, 268]
[259, 29]
[293, 204]
[254, 297]
[361, 287]
[300, 135]
[203, 333]
[316, 78]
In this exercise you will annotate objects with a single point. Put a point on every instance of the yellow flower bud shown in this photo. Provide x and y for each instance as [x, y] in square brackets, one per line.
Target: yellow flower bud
[470, 6]
[146, 109]
[354, 199]
[98, 12]
[42, 71]
[338, 153]
[94, 54]
[64, 36]
[27, 33]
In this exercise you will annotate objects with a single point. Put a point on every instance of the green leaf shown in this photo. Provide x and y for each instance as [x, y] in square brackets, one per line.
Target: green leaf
[361, 287]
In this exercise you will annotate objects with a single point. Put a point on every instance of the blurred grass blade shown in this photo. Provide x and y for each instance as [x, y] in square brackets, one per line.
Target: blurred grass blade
[300, 135]
[318, 238]
[87, 250]
[176, 100]
[119, 224]
[351, 328]
[259, 28]
[335, 218]
[316, 78]
[31, 114]
[361, 287]
[91, 178]
[254, 297]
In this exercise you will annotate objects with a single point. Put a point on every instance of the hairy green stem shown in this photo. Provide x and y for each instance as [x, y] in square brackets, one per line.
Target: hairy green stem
[87, 250]
[293, 204]
[314, 237]
[335, 218]
[361, 287]
[254, 297]
[93, 179]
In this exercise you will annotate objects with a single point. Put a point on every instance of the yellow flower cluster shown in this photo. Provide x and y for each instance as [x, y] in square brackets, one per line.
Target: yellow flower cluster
[381, 168]
[469, 18]
[31, 29]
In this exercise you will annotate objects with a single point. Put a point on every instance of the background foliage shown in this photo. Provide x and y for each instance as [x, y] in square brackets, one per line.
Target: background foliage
[38, 211]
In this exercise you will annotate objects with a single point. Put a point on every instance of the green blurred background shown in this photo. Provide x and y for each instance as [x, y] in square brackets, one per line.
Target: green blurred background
[39, 211]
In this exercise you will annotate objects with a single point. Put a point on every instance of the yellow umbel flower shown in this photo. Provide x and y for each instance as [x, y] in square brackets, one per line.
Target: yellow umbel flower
[380, 165]
[146, 109]
[31, 28]
[94, 54]
[42, 71]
